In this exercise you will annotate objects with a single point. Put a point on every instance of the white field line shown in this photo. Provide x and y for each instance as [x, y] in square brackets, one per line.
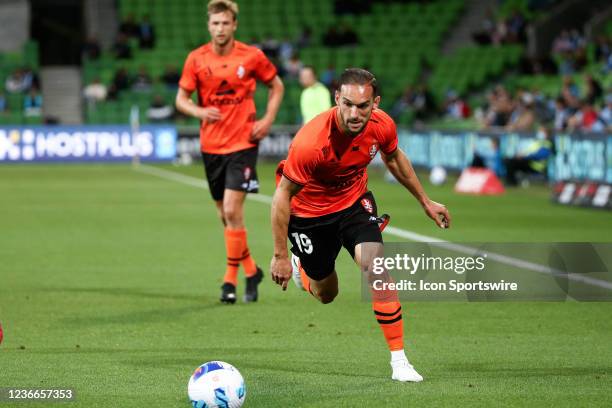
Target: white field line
[398, 232]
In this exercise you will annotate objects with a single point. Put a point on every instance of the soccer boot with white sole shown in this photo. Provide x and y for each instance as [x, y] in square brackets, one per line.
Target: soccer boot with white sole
[250, 293]
[228, 293]
[404, 371]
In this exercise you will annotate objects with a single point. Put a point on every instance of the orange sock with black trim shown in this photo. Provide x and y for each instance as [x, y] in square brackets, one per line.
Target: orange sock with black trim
[233, 247]
[389, 317]
[248, 263]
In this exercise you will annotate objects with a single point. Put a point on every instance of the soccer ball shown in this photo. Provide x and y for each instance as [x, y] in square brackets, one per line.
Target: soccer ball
[216, 385]
[437, 175]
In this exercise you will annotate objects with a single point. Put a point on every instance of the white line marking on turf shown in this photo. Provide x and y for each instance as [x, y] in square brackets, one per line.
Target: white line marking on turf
[397, 232]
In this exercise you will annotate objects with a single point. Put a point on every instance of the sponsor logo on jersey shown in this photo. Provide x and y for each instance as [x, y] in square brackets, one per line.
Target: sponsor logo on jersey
[225, 89]
[367, 205]
[373, 150]
[240, 72]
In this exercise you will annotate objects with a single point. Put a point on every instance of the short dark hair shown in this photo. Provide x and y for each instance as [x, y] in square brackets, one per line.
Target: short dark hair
[310, 67]
[358, 76]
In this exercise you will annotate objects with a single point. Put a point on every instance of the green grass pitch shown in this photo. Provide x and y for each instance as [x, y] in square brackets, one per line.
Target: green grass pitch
[109, 284]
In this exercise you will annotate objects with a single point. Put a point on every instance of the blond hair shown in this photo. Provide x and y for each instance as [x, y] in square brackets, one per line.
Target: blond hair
[221, 6]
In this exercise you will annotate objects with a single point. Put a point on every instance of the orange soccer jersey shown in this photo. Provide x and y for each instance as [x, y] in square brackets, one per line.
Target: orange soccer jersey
[228, 83]
[331, 166]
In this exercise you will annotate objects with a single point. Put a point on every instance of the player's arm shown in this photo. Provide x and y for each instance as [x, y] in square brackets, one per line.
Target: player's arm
[185, 105]
[399, 165]
[280, 267]
[276, 89]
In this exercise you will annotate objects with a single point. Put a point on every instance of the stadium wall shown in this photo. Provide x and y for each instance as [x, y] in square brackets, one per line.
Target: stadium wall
[14, 24]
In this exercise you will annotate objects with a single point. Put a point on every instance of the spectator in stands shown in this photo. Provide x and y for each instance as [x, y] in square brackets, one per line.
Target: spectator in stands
[500, 106]
[416, 99]
[171, 76]
[328, 77]
[90, 49]
[523, 117]
[570, 93]
[484, 36]
[586, 119]
[286, 49]
[562, 114]
[270, 46]
[121, 48]
[129, 28]
[159, 111]
[16, 82]
[30, 78]
[594, 91]
[32, 103]
[516, 25]
[146, 33]
[95, 92]
[315, 97]
[293, 66]
[121, 80]
[533, 160]
[603, 48]
[142, 81]
[455, 107]
[606, 113]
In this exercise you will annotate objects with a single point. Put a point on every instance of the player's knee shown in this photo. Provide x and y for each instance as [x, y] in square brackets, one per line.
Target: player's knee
[232, 215]
[327, 296]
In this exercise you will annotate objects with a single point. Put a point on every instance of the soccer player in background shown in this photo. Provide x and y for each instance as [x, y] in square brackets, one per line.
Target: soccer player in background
[315, 97]
[223, 72]
[322, 202]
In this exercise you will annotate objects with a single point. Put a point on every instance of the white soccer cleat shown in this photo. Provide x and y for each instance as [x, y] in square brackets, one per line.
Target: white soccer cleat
[295, 272]
[404, 371]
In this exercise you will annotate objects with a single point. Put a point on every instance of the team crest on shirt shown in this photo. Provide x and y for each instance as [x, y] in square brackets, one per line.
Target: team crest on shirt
[373, 151]
[241, 71]
[367, 205]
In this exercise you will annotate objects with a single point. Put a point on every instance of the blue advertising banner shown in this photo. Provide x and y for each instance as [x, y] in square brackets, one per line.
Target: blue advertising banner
[22, 144]
[577, 156]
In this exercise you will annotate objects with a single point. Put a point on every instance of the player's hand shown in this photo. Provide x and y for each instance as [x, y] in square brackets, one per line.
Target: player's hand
[280, 268]
[261, 128]
[210, 115]
[437, 212]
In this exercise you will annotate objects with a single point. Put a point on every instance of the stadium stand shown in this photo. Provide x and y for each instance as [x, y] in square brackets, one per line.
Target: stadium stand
[395, 41]
[26, 63]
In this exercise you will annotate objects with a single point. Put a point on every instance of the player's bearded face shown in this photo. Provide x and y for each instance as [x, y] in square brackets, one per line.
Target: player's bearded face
[222, 27]
[355, 105]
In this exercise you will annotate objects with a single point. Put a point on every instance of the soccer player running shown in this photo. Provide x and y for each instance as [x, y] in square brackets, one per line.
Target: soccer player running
[322, 202]
[224, 74]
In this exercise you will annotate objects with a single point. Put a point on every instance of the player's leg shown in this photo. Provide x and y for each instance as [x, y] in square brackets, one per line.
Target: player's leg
[361, 235]
[315, 247]
[216, 167]
[241, 178]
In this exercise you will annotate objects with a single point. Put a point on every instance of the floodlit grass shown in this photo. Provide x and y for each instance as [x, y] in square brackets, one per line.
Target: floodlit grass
[109, 284]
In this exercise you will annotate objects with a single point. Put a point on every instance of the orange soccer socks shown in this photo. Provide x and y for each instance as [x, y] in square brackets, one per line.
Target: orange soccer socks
[237, 252]
[389, 317]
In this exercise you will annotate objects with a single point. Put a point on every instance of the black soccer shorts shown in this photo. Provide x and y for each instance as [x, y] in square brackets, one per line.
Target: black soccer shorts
[317, 241]
[234, 171]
